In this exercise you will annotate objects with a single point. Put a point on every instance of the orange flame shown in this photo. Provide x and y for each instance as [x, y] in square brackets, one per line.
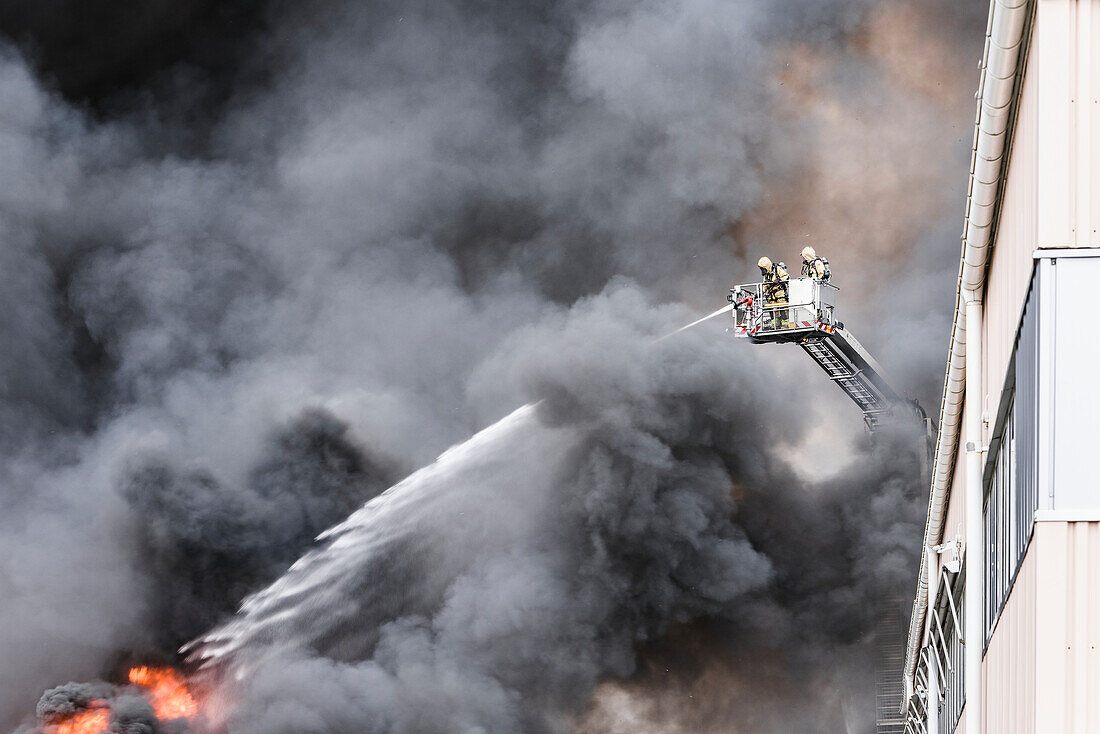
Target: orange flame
[90, 721]
[166, 690]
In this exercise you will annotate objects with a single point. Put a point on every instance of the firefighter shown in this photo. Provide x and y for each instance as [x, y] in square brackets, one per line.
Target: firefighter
[775, 289]
[814, 266]
[765, 265]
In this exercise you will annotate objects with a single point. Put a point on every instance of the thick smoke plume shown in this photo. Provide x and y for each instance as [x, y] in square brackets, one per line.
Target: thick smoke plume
[280, 257]
[547, 548]
[206, 546]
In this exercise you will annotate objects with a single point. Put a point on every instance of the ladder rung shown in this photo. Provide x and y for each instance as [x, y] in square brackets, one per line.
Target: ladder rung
[847, 377]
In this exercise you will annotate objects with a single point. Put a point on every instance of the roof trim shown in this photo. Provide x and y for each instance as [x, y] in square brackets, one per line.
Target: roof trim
[1007, 38]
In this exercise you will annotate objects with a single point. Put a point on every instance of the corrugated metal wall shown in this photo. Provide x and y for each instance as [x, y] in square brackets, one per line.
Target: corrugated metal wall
[954, 522]
[1067, 609]
[1011, 266]
[1066, 42]
[961, 726]
[1009, 666]
[1041, 671]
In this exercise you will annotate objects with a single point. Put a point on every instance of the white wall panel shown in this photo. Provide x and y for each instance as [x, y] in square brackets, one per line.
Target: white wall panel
[1008, 679]
[955, 518]
[1065, 42]
[1067, 668]
[1076, 396]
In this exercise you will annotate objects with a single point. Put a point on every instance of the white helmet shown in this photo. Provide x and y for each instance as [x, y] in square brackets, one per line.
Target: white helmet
[808, 254]
[764, 263]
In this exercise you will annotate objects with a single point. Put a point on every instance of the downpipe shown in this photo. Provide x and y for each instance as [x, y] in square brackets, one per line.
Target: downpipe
[975, 542]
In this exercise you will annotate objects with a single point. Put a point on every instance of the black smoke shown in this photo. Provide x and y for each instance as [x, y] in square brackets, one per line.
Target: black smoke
[62, 702]
[586, 527]
[261, 259]
[125, 709]
[205, 546]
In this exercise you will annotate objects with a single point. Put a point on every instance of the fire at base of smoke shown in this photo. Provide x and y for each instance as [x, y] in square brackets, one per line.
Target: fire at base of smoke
[152, 700]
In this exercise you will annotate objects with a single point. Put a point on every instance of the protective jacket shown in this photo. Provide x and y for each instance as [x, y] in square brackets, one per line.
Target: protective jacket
[817, 268]
[775, 284]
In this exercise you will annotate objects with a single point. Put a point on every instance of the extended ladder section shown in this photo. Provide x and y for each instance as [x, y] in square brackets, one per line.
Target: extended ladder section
[850, 366]
[800, 311]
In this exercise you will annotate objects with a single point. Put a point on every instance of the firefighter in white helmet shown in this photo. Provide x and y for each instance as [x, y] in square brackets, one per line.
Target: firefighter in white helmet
[775, 289]
[814, 266]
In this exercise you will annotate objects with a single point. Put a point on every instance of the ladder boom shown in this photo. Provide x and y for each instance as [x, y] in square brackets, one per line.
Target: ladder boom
[848, 364]
[801, 311]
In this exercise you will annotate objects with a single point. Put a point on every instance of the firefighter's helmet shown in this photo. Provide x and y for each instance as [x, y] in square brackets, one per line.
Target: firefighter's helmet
[808, 254]
[764, 263]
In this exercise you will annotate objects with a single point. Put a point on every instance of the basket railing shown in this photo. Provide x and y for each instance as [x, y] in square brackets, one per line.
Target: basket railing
[767, 306]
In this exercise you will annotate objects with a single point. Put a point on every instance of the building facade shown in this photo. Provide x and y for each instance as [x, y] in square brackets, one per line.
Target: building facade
[1006, 621]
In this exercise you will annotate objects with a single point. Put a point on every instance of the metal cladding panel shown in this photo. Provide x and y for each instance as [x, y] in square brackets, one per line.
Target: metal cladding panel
[954, 519]
[1008, 680]
[961, 726]
[1067, 669]
[1012, 263]
[1067, 42]
[1076, 401]
[800, 291]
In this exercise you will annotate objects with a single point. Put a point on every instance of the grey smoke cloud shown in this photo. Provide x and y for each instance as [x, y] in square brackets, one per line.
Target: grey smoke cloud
[409, 219]
[541, 554]
[533, 590]
[205, 546]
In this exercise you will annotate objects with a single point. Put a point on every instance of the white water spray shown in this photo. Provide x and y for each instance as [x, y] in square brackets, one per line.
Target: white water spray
[719, 312]
[435, 520]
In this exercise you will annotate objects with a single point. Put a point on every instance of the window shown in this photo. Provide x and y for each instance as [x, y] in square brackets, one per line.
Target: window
[941, 659]
[948, 646]
[1010, 474]
[1008, 521]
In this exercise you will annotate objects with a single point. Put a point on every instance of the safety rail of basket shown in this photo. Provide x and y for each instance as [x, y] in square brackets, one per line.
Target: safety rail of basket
[798, 303]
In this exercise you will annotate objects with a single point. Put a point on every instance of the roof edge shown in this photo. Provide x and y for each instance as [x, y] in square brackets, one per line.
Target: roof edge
[1002, 68]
